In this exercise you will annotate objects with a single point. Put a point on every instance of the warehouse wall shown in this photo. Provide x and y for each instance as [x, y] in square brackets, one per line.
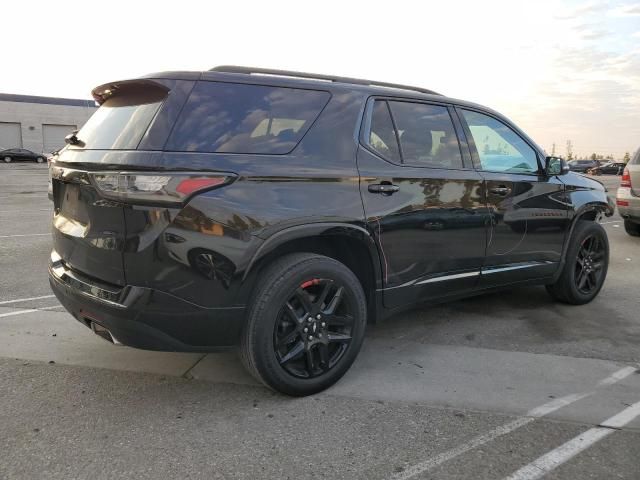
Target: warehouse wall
[34, 112]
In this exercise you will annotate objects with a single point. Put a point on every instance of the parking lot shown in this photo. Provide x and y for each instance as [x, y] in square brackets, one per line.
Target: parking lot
[508, 384]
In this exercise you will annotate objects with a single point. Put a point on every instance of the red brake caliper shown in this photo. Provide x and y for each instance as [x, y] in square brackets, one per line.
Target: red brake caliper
[308, 283]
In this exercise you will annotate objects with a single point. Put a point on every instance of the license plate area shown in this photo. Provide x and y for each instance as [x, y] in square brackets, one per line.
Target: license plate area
[71, 202]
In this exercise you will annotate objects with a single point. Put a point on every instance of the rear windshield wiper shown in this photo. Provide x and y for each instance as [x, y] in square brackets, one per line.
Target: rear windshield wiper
[72, 139]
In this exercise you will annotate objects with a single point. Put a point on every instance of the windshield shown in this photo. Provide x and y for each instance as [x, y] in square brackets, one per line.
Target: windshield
[122, 120]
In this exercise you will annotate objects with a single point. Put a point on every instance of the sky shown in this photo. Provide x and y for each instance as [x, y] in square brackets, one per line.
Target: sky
[562, 70]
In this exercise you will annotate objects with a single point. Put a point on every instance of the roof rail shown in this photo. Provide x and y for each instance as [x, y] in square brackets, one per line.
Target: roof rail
[313, 76]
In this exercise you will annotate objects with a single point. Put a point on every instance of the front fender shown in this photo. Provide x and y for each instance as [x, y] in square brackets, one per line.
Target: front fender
[582, 201]
[588, 198]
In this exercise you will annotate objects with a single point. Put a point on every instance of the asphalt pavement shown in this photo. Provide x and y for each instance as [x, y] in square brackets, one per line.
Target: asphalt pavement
[507, 385]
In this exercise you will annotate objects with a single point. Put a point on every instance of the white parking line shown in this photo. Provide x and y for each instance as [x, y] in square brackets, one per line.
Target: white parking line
[29, 310]
[25, 235]
[36, 194]
[18, 312]
[33, 212]
[18, 300]
[529, 417]
[607, 223]
[553, 459]
[623, 418]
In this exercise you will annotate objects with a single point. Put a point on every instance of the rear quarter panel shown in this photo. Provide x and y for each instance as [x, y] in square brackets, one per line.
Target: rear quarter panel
[317, 183]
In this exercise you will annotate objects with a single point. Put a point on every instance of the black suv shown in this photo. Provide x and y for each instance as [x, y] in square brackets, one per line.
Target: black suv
[583, 166]
[280, 212]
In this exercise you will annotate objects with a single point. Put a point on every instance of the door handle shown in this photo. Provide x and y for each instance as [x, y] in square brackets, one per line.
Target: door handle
[385, 188]
[501, 190]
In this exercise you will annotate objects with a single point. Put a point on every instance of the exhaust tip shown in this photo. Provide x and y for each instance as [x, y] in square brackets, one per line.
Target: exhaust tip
[103, 332]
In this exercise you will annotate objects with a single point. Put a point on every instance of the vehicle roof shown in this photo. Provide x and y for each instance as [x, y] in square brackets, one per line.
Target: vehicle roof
[316, 83]
[329, 83]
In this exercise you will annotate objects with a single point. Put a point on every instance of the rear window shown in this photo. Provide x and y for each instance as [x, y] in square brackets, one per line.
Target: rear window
[122, 120]
[239, 118]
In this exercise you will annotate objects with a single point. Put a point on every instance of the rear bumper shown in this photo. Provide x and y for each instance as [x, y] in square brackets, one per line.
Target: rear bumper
[145, 318]
[628, 204]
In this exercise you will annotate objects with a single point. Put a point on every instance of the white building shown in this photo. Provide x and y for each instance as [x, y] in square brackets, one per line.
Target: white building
[40, 124]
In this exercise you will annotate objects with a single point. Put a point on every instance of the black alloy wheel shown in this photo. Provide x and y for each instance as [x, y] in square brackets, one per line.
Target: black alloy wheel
[305, 324]
[314, 327]
[589, 264]
[585, 266]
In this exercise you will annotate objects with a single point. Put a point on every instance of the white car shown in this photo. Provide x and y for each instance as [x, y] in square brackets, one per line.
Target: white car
[628, 196]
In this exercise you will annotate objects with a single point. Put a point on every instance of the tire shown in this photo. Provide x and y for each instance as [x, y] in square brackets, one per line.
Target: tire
[632, 228]
[7, 159]
[567, 288]
[273, 332]
[39, 159]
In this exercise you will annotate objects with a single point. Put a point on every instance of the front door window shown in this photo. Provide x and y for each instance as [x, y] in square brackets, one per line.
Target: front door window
[500, 149]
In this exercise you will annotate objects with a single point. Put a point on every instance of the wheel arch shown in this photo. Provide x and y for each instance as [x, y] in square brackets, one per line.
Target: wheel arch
[351, 245]
[590, 211]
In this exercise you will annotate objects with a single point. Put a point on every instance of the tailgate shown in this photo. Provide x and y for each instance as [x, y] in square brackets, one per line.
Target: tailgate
[88, 231]
[634, 171]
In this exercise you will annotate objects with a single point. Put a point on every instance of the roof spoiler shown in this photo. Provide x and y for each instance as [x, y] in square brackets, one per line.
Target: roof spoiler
[107, 90]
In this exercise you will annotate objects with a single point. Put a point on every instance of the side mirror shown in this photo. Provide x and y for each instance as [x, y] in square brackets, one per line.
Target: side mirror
[555, 166]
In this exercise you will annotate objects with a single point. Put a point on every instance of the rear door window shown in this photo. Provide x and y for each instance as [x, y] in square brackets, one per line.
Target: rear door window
[382, 135]
[239, 118]
[427, 135]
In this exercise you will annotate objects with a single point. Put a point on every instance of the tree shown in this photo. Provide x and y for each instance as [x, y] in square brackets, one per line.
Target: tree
[626, 157]
[593, 156]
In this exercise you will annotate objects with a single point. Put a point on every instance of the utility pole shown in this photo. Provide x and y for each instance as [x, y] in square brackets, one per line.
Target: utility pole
[553, 150]
[569, 150]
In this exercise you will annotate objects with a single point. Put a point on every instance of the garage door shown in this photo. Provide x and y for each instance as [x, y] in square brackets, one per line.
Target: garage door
[10, 135]
[53, 136]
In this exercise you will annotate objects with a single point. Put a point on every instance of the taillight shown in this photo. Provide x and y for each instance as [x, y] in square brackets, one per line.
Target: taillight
[165, 188]
[626, 179]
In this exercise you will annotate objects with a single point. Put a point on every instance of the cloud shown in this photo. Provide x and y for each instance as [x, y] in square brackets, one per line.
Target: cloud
[625, 11]
[594, 34]
[591, 7]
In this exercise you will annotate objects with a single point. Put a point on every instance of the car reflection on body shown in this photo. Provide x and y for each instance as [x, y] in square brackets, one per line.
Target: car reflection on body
[436, 218]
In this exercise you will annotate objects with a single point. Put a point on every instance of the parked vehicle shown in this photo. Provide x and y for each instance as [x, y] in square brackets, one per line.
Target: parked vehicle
[628, 196]
[582, 166]
[280, 212]
[611, 168]
[12, 154]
